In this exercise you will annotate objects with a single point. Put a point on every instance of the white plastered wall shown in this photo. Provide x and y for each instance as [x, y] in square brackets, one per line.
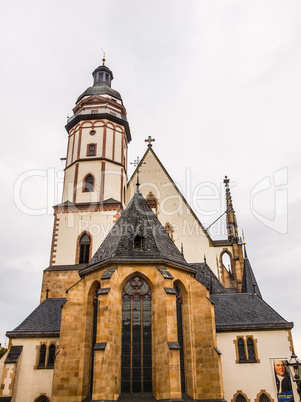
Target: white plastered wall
[98, 224]
[251, 378]
[29, 381]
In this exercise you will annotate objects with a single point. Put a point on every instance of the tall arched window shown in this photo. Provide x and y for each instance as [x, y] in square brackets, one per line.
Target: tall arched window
[180, 334]
[136, 362]
[42, 357]
[51, 356]
[89, 183]
[94, 333]
[241, 350]
[84, 249]
[251, 351]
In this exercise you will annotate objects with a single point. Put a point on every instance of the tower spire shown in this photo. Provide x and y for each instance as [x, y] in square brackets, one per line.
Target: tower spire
[230, 213]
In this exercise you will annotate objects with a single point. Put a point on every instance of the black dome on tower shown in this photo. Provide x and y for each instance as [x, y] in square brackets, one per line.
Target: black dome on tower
[102, 84]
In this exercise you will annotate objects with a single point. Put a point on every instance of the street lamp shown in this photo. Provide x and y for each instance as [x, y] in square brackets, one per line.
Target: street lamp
[294, 363]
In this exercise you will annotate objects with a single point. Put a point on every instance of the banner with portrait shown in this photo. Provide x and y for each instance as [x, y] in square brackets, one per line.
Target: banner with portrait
[283, 381]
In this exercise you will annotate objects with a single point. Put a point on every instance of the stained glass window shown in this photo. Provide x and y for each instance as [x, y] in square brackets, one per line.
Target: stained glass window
[136, 362]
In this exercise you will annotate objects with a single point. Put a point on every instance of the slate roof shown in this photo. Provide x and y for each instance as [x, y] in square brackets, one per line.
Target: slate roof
[241, 311]
[207, 278]
[45, 320]
[13, 354]
[249, 283]
[72, 267]
[137, 220]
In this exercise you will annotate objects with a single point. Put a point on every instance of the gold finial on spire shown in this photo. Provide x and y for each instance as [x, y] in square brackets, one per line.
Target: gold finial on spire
[103, 57]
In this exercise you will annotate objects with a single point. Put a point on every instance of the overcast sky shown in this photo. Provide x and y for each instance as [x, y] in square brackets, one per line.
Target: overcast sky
[216, 83]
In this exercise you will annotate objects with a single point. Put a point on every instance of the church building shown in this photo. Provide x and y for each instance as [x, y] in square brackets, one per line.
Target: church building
[137, 303]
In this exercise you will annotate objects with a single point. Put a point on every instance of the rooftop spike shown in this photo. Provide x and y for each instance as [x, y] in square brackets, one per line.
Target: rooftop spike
[103, 57]
[231, 217]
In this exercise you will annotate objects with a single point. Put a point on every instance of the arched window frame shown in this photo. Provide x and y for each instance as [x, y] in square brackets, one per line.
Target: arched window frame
[88, 183]
[262, 393]
[242, 355]
[249, 356]
[78, 247]
[180, 331]
[42, 356]
[236, 395]
[51, 356]
[134, 295]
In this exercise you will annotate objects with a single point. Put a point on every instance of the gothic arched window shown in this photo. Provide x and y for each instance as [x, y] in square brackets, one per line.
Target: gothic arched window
[84, 249]
[89, 183]
[42, 357]
[241, 350]
[179, 304]
[251, 351]
[264, 398]
[240, 398]
[51, 356]
[136, 361]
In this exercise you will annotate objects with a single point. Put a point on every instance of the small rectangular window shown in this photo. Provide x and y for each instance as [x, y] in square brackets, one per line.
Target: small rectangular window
[91, 150]
[94, 111]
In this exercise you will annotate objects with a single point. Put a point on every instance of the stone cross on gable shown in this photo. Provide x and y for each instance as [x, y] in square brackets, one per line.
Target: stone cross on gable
[149, 140]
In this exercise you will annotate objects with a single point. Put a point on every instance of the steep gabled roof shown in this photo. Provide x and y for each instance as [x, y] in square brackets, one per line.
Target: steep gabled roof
[45, 320]
[207, 278]
[139, 224]
[242, 311]
[140, 168]
[249, 283]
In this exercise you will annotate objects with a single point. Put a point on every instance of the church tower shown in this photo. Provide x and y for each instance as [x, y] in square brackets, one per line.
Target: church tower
[95, 181]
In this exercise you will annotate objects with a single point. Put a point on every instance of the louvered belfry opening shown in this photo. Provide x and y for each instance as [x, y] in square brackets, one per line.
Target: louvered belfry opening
[136, 371]
[180, 335]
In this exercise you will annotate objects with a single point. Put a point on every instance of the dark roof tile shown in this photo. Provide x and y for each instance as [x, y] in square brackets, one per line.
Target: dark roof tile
[137, 221]
[245, 311]
[45, 320]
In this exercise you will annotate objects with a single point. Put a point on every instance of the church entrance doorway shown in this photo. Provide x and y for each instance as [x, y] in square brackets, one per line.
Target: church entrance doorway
[136, 359]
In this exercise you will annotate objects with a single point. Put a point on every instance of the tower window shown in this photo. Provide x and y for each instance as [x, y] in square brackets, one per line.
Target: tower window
[92, 132]
[84, 249]
[91, 149]
[89, 183]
